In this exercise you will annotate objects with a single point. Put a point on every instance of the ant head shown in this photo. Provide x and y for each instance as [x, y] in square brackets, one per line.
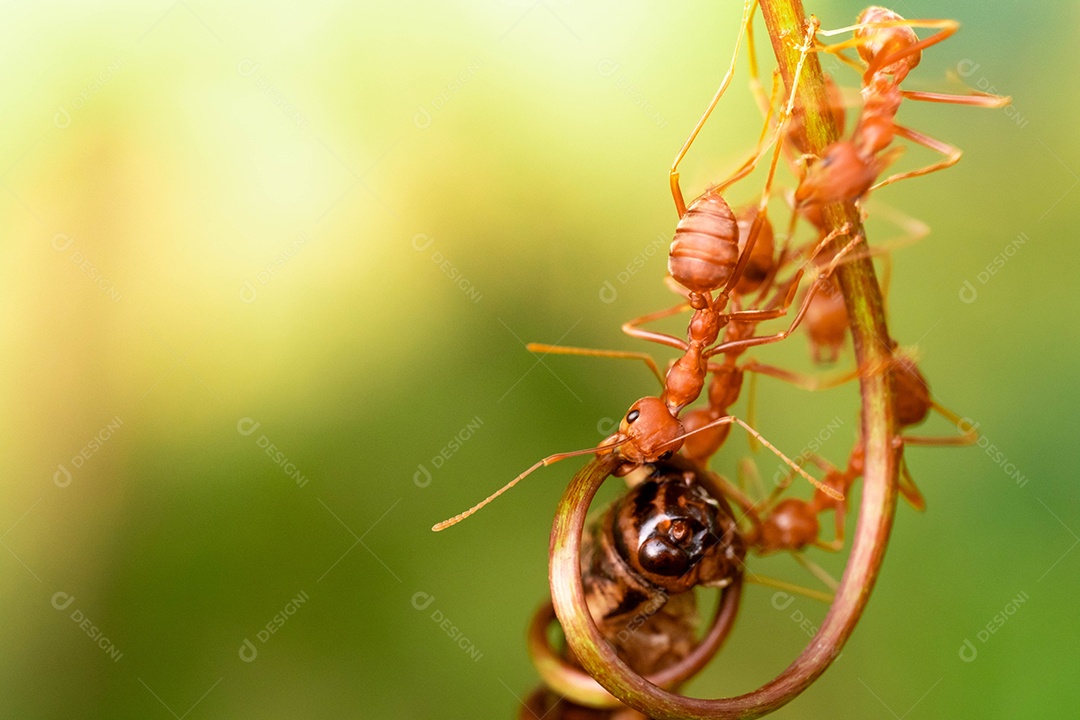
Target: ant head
[648, 432]
[674, 534]
[842, 174]
[879, 44]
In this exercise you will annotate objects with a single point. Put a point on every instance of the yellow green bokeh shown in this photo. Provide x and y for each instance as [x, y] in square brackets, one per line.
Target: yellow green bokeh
[267, 272]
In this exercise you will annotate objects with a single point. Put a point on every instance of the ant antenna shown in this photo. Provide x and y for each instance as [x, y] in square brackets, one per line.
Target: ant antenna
[542, 463]
[728, 419]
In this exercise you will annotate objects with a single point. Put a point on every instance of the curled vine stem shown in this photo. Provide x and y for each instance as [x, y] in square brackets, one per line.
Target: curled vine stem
[784, 19]
[579, 687]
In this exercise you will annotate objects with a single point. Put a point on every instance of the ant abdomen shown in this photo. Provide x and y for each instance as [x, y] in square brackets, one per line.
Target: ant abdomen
[792, 525]
[706, 245]
[703, 444]
[911, 394]
[827, 323]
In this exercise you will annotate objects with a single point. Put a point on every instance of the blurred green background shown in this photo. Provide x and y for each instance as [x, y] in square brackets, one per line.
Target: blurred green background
[267, 272]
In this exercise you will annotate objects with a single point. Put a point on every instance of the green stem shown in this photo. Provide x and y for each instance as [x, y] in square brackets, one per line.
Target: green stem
[785, 20]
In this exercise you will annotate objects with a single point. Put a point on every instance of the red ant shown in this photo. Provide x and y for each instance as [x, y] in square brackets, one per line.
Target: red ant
[891, 49]
[727, 377]
[792, 524]
[705, 258]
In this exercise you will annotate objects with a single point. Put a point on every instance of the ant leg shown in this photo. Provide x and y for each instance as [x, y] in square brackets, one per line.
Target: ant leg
[728, 419]
[886, 282]
[945, 27]
[769, 283]
[789, 109]
[756, 88]
[913, 229]
[750, 479]
[952, 156]
[816, 570]
[589, 352]
[751, 410]
[782, 585]
[857, 65]
[792, 285]
[673, 176]
[763, 143]
[811, 383]
[908, 488]
[975, 98]
[633, 329]
[967, 437]
[765, 339]
[737, 495]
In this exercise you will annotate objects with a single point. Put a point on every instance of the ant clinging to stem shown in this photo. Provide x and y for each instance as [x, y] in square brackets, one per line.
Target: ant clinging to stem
[704, 259]
[888, 45]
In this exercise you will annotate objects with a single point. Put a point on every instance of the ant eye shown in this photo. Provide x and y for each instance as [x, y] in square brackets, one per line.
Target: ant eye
[667, 455]
[632, 415]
